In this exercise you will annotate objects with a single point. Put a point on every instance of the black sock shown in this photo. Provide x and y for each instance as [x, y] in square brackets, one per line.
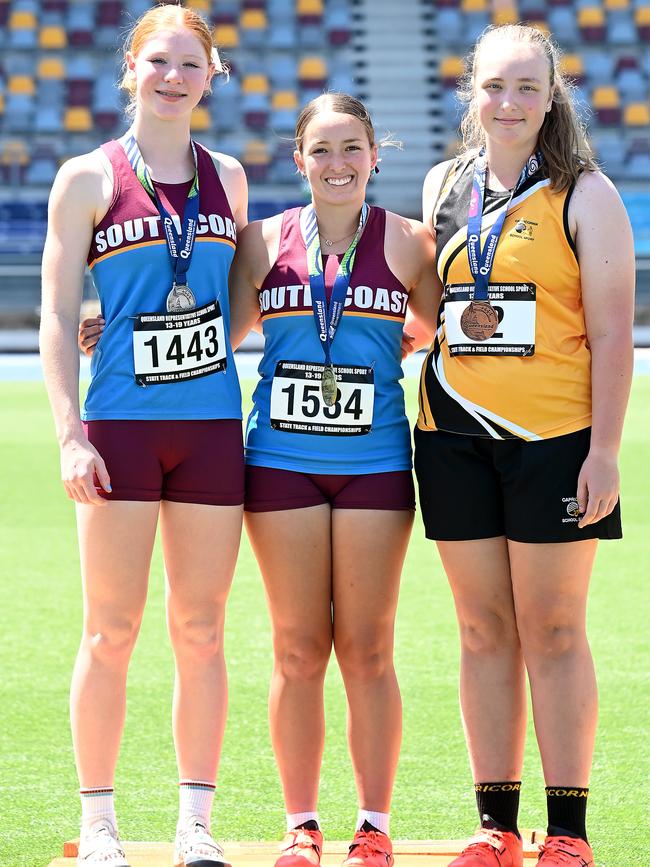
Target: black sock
[567, 811]
[498, 804]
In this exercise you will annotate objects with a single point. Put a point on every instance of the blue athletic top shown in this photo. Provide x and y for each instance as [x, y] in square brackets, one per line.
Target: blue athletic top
[367, 346]
[131, 269]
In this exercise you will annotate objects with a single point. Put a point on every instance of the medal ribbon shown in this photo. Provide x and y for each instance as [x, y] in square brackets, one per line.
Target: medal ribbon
[328, 316]
[180, 246]
[481, 261]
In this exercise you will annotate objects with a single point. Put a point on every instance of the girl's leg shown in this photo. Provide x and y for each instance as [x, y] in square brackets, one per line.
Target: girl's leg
[368, 552]
[200, 545]
[492, 678]
[550, 589]
[115, 543]
[293, 549]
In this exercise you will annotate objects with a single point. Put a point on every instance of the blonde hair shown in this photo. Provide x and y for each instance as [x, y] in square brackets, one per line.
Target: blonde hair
[160, 18]
[562, 138]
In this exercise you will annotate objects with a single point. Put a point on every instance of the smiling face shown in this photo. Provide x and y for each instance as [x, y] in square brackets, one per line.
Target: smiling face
[512, 91]
[337, 157]
[171, 73]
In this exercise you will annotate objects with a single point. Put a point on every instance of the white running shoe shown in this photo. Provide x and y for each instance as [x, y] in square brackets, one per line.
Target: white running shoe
[195, 847]
[99, 846]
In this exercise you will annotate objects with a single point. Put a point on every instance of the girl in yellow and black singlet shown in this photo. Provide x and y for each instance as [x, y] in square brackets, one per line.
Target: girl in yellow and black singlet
[522, 399]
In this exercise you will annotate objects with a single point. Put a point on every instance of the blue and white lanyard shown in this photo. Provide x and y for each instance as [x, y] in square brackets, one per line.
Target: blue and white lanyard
[328, 316]
[180, 246]
[481, 261]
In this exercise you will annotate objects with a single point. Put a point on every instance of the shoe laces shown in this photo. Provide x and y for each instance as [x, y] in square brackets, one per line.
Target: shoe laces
[102, 840]
[196, 839]
[301, 838]
[556, 847]
[486, 839]
[368, 843]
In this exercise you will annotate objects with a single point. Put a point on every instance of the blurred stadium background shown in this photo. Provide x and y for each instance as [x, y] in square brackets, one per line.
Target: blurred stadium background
[60, 60]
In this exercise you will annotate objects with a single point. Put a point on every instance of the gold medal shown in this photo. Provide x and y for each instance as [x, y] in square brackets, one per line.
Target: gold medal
[479, 320]
[328, 385]
[180, 298]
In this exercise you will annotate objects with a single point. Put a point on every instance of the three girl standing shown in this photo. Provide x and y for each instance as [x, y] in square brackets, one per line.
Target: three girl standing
[327, 442]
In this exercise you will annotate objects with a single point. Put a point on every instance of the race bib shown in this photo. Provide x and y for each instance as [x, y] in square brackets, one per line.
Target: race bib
[175, 347]
[514, 305]
[297, 404]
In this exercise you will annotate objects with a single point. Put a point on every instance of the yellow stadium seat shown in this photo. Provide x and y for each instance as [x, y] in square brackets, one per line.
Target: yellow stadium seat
[312, 68]
[2, 103]
[572, 65]
[505, 15]
[22, 84]
[637, 114]
[253, 19]
[474, 5]
[541, 25]
[14, 153]
[451, 67]
[309, 7]
[52, 37]
[256, 152]
[199, 5]
[284, 99]
[591, 16]
[77, 119]
[642, 16]
[226, 36]
[22, 20]
[50, 67]
[605, 96]
[255, 84]
[617, 4]
[201, 119]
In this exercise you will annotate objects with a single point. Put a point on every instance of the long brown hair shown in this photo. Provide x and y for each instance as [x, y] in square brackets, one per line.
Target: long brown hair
[562, 137]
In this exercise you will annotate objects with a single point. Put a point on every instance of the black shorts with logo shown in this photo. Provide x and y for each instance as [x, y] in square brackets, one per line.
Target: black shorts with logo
[477, 488]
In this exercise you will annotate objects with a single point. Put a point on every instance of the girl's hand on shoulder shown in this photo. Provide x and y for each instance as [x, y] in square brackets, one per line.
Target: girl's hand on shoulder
[90, 330]
[598, 487]
[80, 463]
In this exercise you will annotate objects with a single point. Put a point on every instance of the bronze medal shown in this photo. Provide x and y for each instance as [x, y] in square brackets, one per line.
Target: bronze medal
[479, 320]
[180, 299]
[328, 385]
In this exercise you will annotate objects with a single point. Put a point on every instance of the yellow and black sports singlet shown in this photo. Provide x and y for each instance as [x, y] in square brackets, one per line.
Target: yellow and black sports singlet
[530, 380]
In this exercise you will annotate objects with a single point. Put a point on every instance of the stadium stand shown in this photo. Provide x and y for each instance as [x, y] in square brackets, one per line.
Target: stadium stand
[58, 95]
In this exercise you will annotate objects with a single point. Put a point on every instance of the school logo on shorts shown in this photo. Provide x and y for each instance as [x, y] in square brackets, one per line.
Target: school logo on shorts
[572, 509]
[524, 230]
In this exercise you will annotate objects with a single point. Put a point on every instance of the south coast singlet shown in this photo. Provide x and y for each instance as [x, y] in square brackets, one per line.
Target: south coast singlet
[366, 431]
[131, 269]
[532, 379]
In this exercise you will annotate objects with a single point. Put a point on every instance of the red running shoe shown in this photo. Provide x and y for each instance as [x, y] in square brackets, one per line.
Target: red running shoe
[491, 848]
[565, 850]
[300, 848]
[370, 849]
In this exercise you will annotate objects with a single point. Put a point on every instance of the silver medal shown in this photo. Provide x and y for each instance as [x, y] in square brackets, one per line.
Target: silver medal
[180, 298]
[328, 385]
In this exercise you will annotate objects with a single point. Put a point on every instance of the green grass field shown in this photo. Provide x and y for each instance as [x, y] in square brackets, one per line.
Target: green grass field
[41, 615]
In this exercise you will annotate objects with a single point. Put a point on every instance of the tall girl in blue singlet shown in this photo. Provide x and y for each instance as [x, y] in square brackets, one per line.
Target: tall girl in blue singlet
[155, 216]
[329, 492]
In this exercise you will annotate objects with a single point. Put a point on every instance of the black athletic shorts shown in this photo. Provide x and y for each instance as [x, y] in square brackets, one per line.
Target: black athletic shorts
[477, 488]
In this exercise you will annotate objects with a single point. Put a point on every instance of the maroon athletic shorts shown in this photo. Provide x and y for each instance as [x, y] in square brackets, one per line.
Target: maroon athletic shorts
[198, 461]
[271, 490]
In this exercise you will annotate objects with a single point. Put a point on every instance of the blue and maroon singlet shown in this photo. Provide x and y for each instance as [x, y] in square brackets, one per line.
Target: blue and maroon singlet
[130, 266]
[366, 431]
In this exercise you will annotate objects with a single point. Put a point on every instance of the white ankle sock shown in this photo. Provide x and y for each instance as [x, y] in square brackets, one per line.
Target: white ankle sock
[97, 804]
[195, 799]
[295, 819]
[380, 821]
